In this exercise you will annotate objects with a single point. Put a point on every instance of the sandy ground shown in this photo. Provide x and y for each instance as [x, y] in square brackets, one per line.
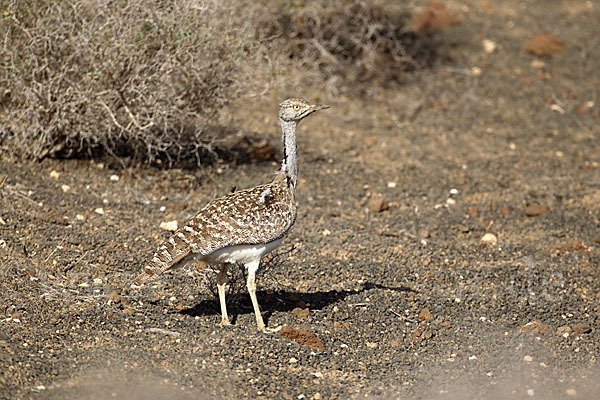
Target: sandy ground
[386, 281]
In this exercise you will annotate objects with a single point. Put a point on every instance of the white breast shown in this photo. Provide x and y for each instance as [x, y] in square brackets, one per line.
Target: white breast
[246, 253]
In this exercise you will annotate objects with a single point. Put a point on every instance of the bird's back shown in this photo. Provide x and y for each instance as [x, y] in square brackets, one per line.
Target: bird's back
[258, 215]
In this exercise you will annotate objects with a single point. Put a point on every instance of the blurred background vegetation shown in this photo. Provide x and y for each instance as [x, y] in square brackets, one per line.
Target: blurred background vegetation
[148, 81]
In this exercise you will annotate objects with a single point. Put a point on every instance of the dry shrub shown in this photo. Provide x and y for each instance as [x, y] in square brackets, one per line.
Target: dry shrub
[360, 40]
[143, 79]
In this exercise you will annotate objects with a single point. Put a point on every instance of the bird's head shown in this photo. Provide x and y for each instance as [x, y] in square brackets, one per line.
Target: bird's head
[297, 109]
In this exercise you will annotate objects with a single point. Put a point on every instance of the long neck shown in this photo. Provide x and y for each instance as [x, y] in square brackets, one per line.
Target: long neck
[289, 166]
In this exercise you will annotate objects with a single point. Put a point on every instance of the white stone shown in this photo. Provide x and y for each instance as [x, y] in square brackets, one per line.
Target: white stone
[489, 238]
[489, 46]
[168, 225]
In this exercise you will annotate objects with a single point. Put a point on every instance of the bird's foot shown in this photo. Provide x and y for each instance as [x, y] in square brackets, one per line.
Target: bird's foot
[270, 330]
[225, 322]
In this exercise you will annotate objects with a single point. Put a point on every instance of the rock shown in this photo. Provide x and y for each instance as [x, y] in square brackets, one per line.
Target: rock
[536, 209]
[301, 312]
[168, 225]
[489, 46]
[304, 338]
[54, 174]
[435, 17]
[580, 329]
[422, 332]
[527, 359]
[99, 211]
[536, 326]
[489, 238]
[562, 330]
[378, 203]
[425, 315]
[575, 245]
[545, 44]
[114, 296]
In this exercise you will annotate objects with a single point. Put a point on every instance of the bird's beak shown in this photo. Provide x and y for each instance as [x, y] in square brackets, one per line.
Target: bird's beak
[318, 107]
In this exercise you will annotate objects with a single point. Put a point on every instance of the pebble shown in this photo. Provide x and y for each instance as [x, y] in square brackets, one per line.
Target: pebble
[527, 359]
[489, 238]
[54, 174]
[378, 203]
[571, 392]
[530, 392]
[563, 330]
[301, 312]
[66, 188]
[537, 64]
[536, 209]
[79, 217]
[425, 315]
[581, 329]
[293, 360]
[536, 326]
[114, 296]
[114, 178]
[99, 210]
[168, 225]
[489, 46]
[476, 71]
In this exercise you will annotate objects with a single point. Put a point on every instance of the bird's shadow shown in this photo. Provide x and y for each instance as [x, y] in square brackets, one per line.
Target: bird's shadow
[283, 300]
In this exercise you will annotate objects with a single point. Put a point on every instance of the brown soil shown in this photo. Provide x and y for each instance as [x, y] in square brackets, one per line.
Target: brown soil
[460, 151]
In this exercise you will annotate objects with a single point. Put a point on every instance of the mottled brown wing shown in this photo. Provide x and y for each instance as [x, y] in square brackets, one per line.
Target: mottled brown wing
[252, 216]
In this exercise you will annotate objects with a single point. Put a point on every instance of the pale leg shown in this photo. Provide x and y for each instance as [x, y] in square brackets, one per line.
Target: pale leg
[252, 267]
[221, 280]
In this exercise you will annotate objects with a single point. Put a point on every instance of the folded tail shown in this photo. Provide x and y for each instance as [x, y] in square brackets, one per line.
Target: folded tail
[167, 255]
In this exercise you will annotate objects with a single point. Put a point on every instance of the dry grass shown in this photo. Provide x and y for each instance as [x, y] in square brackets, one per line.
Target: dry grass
[147, 81]
[356, 41]
[142, 79]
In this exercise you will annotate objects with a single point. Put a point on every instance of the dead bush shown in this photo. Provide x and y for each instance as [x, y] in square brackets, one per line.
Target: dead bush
[144, 79]
[361, 40]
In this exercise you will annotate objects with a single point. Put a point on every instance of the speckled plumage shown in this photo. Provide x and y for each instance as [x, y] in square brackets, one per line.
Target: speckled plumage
[258, 215]
[242, 226]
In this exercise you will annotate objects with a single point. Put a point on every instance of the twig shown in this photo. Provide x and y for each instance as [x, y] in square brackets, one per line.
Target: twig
[402, 317]
[17, 193]
[73, 265]
[163, 331]
[358, 305]
[56, 248]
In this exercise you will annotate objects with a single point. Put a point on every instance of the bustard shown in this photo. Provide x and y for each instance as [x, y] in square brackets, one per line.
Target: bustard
[242, 226]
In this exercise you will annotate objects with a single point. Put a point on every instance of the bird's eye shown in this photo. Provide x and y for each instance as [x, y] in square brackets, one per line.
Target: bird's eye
[296, 107]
